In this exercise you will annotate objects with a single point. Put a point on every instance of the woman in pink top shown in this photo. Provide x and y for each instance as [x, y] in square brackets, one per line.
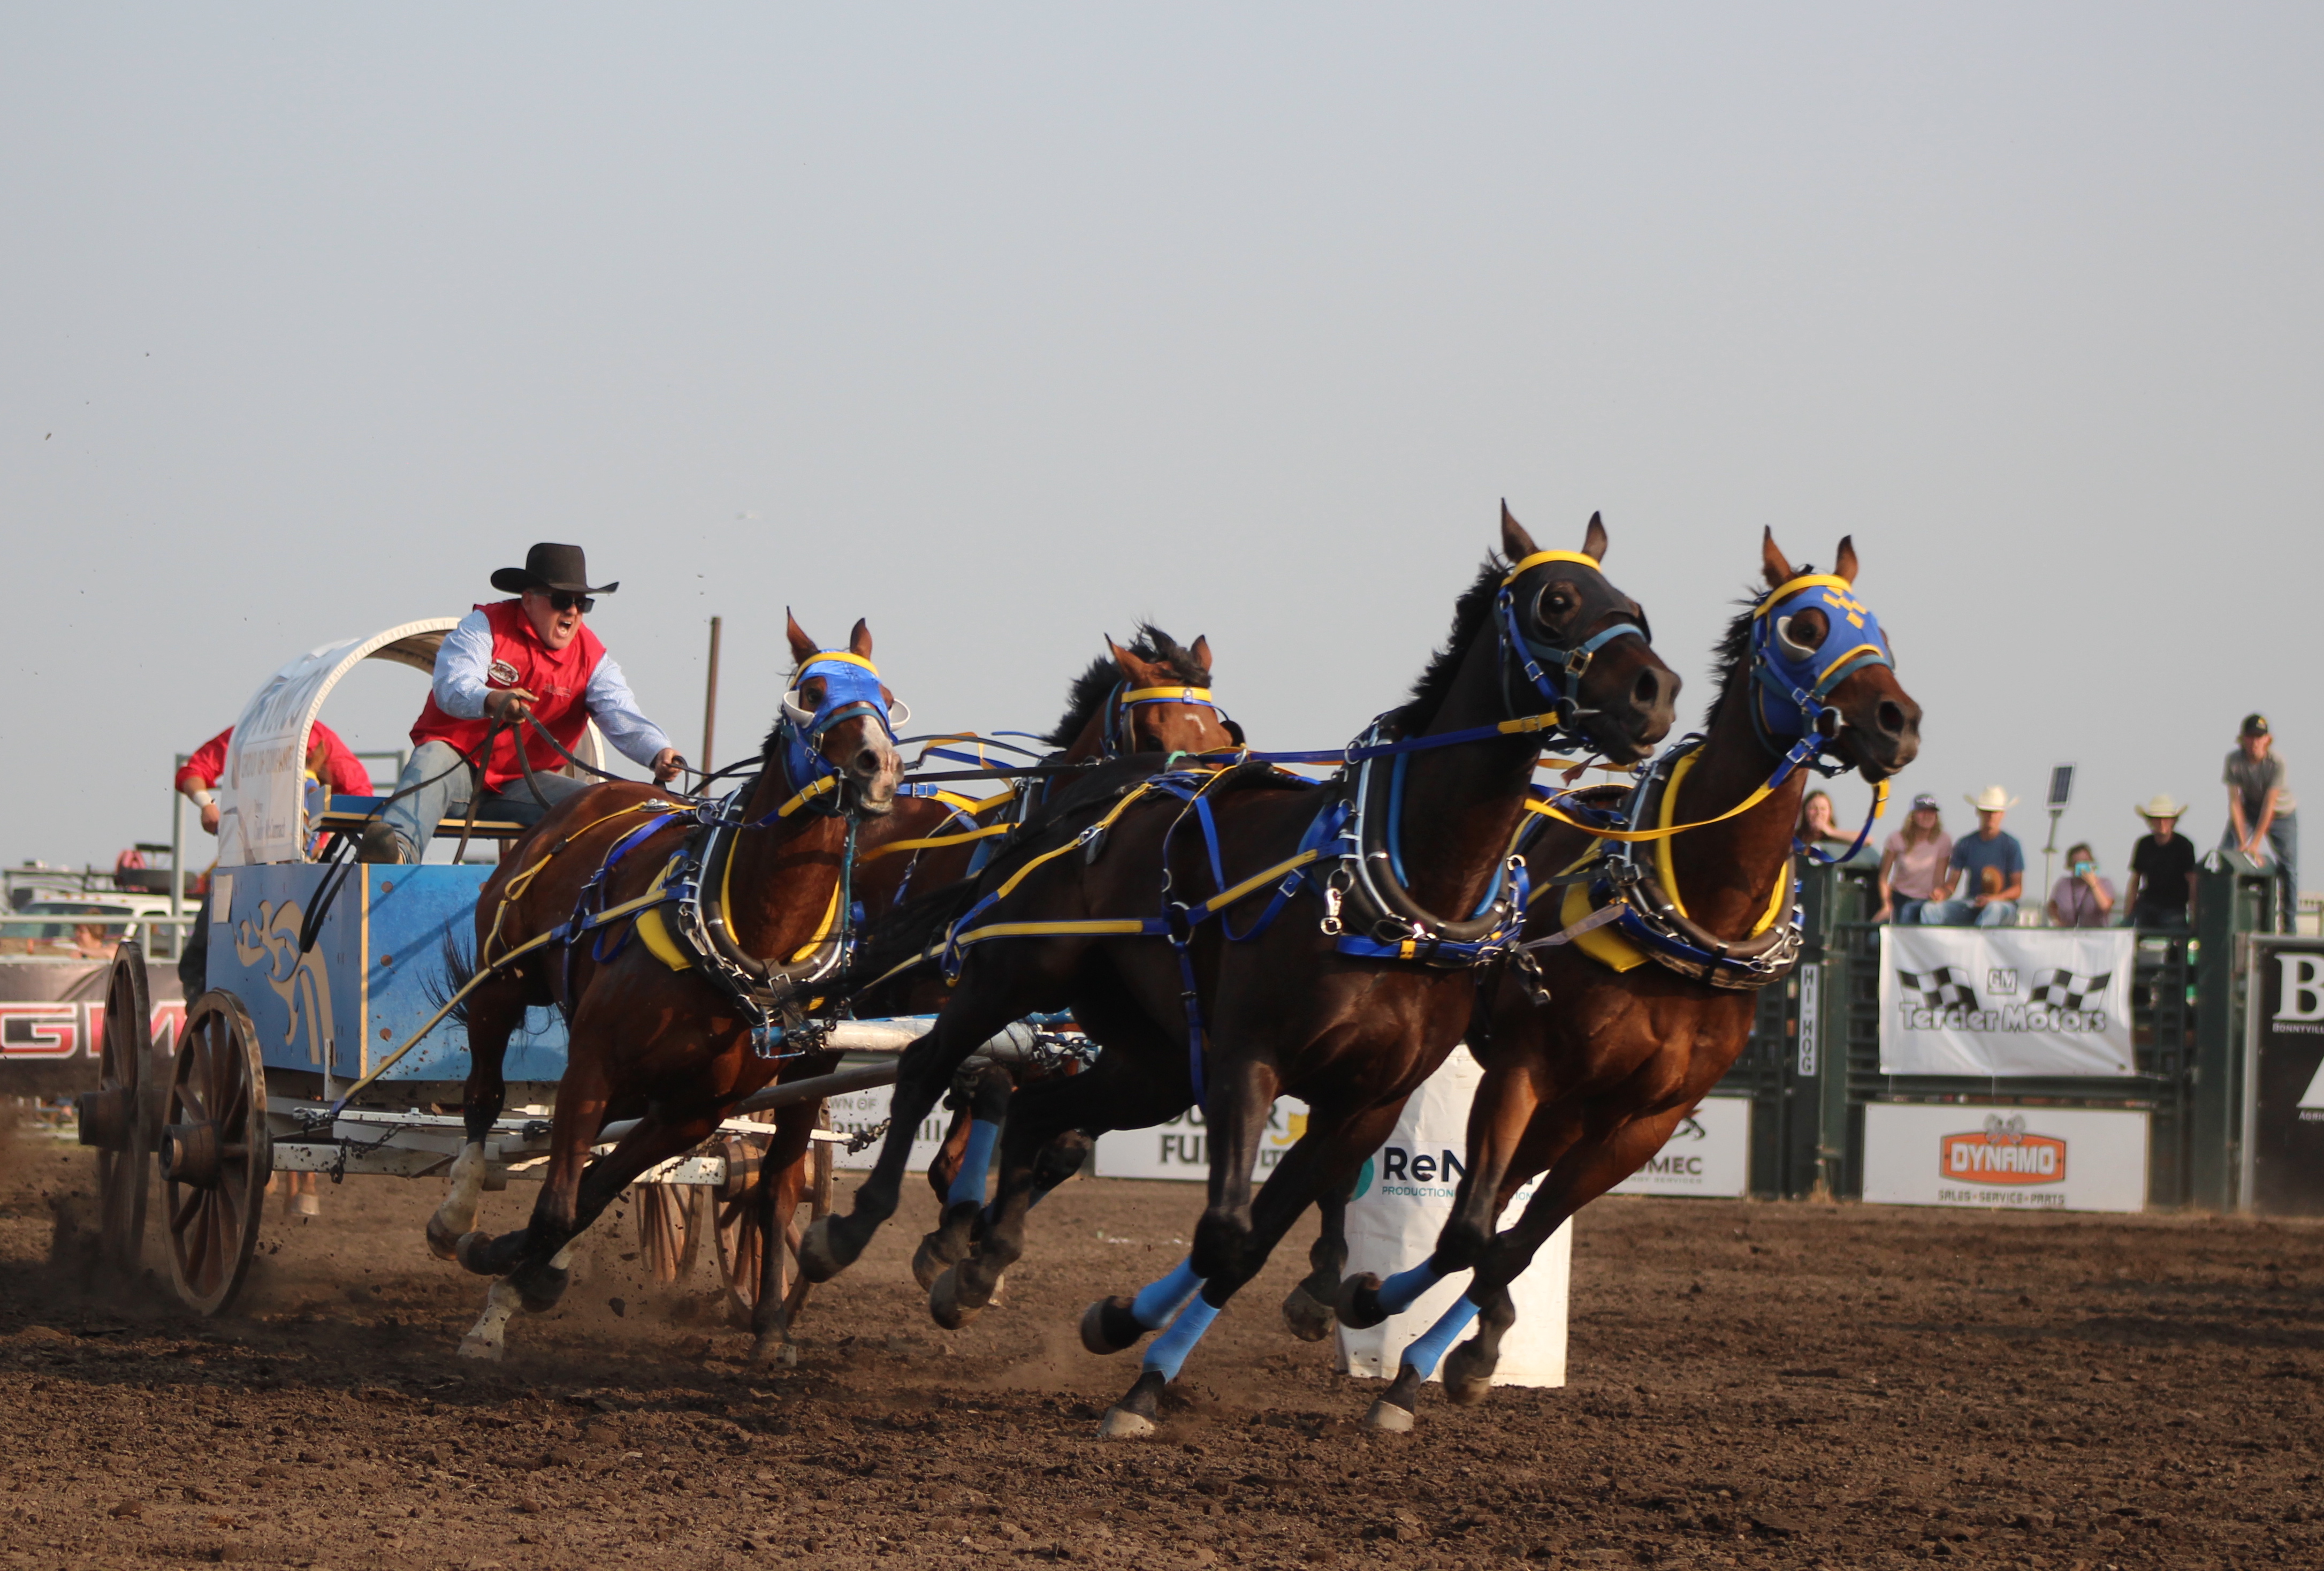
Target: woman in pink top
[1913, 862]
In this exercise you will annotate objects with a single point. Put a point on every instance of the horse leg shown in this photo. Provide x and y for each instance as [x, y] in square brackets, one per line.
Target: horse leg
[1325, 1158]
[1242, 1096]
[980, 1006]
[978, 1124]
[1501, 1129]
[488, 1338]
[1307, 1309]
[494, 1012]
[783, 1179]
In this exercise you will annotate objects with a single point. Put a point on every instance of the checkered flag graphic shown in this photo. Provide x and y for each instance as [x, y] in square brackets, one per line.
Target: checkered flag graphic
[2054, 988]
[1943, 988]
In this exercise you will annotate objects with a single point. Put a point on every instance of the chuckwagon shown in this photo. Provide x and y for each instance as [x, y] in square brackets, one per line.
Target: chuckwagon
[299, 1054]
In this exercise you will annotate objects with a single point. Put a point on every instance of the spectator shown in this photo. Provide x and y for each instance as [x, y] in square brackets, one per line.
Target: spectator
[2081, 898]
[2261, 823]
[2162, 893]
[1816, 832]
[1912, 862]
[1990, 864]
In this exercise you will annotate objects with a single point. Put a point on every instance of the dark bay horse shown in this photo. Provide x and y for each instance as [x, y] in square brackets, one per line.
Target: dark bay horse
[670, 1047]
[1151, 697]
[1347, 990]
[1588, 1086]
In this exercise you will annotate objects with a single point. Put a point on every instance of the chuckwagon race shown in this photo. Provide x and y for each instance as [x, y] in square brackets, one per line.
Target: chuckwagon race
[1192, 790]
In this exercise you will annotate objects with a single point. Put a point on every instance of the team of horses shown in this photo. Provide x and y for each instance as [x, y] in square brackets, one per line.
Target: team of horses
[1223, 931]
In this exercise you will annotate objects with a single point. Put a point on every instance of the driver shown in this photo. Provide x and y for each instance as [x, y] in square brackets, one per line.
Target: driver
[514, 658]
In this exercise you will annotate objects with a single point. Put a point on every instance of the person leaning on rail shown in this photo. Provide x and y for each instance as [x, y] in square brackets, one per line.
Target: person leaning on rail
[2261, 821]
[1989, 864]
[530, 656]
[2162, 891]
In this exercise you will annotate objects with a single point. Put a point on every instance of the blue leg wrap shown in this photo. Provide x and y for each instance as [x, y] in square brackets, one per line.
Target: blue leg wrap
[1155, 1303]
[1400, 1291]
[1424, 1355]
[975, 1162]
[1170, 1349]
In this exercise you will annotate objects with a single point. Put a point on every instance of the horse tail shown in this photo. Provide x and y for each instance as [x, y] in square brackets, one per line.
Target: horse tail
[458, 969]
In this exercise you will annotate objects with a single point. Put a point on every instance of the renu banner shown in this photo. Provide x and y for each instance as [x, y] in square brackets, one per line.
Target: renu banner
[1994, 1002]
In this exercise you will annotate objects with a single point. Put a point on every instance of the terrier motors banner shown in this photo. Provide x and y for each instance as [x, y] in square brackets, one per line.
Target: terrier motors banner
[2283, 1079]
[1994, 1002]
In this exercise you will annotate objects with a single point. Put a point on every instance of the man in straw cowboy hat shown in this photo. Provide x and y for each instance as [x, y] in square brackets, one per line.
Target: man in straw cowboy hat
[528, 656]
[2162, 893]
[2260, 822]
[1989, 865]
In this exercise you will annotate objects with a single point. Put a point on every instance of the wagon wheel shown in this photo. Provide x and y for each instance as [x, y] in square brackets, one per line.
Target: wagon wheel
[115, 1118]
[215, 1152]
[669, 1229]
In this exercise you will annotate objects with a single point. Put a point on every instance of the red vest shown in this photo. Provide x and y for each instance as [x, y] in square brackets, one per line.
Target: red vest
[558, 678]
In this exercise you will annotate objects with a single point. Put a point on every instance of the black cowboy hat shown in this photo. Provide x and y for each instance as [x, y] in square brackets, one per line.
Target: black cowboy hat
[547, 566]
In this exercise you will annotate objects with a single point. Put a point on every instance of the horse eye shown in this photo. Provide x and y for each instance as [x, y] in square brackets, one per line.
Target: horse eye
[1555, 601]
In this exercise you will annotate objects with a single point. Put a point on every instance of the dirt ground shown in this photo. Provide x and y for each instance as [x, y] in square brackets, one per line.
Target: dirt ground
[1752, 1384]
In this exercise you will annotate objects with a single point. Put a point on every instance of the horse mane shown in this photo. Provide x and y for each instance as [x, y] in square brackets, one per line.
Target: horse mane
[1091, 687]
[1435, 684]
[1733, 653]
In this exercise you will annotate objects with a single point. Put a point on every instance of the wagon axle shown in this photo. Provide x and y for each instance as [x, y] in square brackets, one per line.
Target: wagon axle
[108, 1117]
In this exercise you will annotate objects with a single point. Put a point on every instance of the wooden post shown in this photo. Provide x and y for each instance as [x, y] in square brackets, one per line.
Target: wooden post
[710, 700]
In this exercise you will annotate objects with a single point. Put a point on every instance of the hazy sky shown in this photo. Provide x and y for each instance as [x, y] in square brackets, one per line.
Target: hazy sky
[1004, 326]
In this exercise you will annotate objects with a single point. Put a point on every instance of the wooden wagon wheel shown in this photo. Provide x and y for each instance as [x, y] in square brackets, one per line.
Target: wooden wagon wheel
[669, 1229]
[215, 1152]
[733, 1207]
[115, 1118]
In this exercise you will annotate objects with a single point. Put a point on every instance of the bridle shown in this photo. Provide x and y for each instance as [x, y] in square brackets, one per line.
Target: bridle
[1789, 681]
[1118, 728]
[851, 687]
[1528, 652]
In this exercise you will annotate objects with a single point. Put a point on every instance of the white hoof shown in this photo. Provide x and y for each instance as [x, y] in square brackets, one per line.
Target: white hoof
[458, 1214]
[491, 1349]
[1389, 1419]
[1120, 1425]
[488, 1338]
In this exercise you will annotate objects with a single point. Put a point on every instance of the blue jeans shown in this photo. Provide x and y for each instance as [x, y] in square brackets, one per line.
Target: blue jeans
[1904, 910]
[1959, 913]
[415, 817]
[2284, 843]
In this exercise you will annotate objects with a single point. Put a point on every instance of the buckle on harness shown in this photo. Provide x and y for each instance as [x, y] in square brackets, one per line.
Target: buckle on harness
[1577, 660]
[1335, 894]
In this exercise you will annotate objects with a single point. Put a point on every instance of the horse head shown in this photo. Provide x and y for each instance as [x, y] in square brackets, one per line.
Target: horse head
[842, 717]
[1583, 644]
[1158, 708]
[1814, 638]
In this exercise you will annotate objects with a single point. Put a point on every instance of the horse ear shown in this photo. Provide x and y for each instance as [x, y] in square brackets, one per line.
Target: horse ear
[1129, 664]
[859, 642]
[1201, 653]
[1843, 561]
[1593, 542]
[1778, 570]
[802, 646]
[1516, 543]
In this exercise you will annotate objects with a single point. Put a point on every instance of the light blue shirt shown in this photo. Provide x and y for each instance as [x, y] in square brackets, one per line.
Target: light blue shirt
[466, 654]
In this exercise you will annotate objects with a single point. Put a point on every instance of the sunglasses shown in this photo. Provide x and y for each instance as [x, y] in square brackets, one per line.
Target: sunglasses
[564, 600]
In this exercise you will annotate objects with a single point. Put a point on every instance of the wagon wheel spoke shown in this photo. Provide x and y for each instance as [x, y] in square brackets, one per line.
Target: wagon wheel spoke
[183, 1211]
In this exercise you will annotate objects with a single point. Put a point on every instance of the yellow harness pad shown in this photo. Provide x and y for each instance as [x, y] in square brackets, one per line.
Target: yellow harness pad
[1604, 944]
[653, 925]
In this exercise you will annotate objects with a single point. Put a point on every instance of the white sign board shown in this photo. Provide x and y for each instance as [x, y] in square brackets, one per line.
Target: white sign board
[860, 1112]
[1403, 1196]
[1181, 1148]
[2032, 1159]
[1709, 1153]
[1994, 1002]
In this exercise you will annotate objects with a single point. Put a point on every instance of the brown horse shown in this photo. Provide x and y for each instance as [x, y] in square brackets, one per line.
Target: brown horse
[1350, 996]
[672, 1048]
[1587, 1088]
[1151, 698]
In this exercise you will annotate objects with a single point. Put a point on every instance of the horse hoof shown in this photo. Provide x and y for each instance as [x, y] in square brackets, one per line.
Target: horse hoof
[931, 1259]
[1360, 1307]
[1468, 1376]
[478, 1347]
[1108, 1327]
[945, 1304]
[469, 1250]
[772, 1350]
[443, 1243]
[819, 1257]
[1309, 1318]
[1389, 1418]
[1121, 1424]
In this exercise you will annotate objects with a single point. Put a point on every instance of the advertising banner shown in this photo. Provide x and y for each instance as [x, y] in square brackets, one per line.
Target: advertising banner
[1181, 1148]
[2034, 1159]
[1403, 1196]
[2283, 1079]
[1995, 1003]
[1709, 1154]
[858, 1111]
